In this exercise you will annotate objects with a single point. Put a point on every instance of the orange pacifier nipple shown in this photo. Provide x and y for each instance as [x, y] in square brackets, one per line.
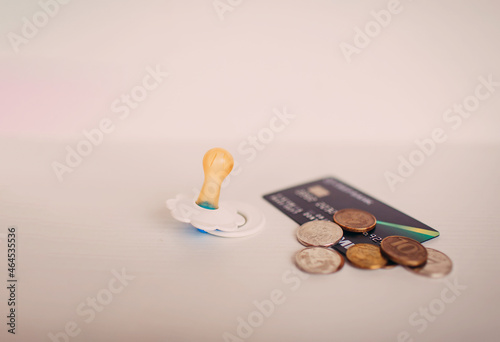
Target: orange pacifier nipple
[217, 164]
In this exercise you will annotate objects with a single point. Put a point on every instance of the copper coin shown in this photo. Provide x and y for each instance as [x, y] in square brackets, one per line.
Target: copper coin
[438, 265]
[365, 255]
[319, 233]
[404, 251]
[355, 220]
[319, 260]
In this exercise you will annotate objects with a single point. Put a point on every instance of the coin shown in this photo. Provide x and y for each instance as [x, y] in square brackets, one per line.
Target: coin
[438, 265]
[365, 255]
[355, 220]
[319, 233]
[319, 260]
[403, 250]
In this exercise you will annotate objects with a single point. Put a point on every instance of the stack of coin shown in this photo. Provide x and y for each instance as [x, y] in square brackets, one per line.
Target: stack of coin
[317, 258]
[319, 235]
[415, 257]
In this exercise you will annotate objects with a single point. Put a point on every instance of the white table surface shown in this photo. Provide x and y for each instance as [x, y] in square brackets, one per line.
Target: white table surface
[354, 115]
[109, 214]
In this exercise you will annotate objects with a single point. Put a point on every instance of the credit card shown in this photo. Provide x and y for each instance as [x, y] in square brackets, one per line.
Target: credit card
[320, 199]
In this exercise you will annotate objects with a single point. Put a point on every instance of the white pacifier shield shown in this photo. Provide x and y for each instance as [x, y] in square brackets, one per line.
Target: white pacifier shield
[231, 219]
[255, 221]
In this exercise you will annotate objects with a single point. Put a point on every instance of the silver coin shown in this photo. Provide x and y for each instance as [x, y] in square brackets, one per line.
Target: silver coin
[319, 233]
[437, 265]
[319, 260]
